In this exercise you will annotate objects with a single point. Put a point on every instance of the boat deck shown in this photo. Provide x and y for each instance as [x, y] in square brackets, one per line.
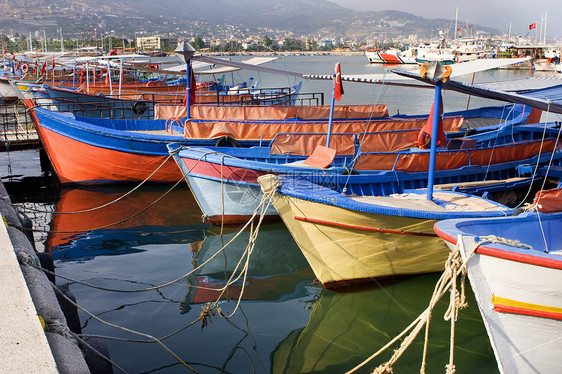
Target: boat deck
[157, 132]
[477, 122]
[442, 202]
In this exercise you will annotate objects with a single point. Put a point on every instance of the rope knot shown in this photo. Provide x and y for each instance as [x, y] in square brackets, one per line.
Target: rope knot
[27, 259]
[208, 311]
[270, 188]
[56, 326]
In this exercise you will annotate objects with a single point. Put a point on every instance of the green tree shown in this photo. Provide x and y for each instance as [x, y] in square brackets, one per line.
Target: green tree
[311, 45]
[267, 42]
[198, 43]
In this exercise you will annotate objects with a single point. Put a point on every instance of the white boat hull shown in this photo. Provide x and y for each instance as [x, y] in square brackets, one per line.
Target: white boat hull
[227, 202]
[522, 343]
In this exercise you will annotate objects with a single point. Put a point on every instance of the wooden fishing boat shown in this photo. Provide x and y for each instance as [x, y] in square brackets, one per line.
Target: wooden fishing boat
[355, 235]
[515, 271]
[148, 107]
[88, 150]
[352, 239]
[224, 181]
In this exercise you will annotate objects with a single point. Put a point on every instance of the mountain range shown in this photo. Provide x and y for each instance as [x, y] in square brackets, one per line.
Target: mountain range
[217, 18]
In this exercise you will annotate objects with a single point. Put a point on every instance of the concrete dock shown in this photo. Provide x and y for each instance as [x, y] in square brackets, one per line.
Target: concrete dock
[23, 343]
[27, 345]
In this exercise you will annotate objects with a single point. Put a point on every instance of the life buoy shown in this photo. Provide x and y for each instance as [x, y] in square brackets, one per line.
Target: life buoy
[424, 140]
[25, 67]
[97, 72]
[474, 49]
[139, 107]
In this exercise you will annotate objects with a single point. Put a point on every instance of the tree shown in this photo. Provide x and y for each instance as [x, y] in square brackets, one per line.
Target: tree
[267, 42]
[311, 45]
[198, 43]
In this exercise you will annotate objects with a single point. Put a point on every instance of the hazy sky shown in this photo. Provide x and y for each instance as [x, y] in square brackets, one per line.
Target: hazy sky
[491, 13]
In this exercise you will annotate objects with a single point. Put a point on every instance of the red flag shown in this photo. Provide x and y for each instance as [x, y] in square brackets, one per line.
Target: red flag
[192, 89]
[338, 87]
[424, 137]
[35, 68]
[81, 76]
[43, 68]
[532, 26]
[53, 62]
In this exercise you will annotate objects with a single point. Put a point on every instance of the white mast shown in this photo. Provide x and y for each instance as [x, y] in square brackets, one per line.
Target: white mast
[545, 17]
[456, 21]
[61, 41]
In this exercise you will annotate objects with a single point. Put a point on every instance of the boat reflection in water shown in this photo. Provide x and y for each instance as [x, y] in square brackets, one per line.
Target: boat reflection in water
[274, 267]
[346, 328]
[284, 324]
[123, 226]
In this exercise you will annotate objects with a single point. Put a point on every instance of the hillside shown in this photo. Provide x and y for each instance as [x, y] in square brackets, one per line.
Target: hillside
[217, 18]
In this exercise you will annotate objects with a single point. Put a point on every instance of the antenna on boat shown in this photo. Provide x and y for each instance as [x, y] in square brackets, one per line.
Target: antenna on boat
[439, 73]
[185, 52]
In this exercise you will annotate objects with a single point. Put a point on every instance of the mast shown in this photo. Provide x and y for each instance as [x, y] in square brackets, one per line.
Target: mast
[456, 22]
[545, 18]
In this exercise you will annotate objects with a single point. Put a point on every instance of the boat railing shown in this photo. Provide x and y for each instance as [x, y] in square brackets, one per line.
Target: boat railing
[448, 159]
[122, 109]
[16, 129]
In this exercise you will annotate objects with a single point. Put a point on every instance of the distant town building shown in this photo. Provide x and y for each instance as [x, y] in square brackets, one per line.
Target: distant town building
[155, 43]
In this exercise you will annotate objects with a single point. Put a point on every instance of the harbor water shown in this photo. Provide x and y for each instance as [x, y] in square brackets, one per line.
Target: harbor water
[274, 318]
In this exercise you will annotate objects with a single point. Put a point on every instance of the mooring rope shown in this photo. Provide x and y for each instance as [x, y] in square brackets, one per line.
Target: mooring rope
[111, 202]
[208, 311]
[21, 228]
[148, 336]
[259, 208]
[454, 266]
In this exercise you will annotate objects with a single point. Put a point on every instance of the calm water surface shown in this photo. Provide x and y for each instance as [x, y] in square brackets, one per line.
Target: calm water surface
[284, 322]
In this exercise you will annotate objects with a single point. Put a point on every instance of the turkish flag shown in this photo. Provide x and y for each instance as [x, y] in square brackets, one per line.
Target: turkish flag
[532, 26]
[43, 68]
[338, 87]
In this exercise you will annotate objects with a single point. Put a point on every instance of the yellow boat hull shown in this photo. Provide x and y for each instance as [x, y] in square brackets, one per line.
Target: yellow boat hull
[347, 248]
